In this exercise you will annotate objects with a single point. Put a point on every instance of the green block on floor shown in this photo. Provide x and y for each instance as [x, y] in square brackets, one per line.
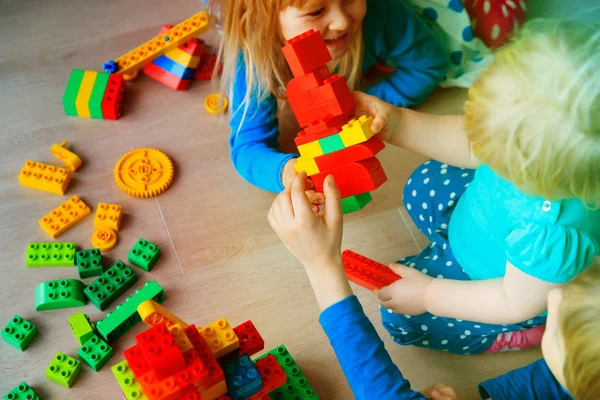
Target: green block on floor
[331, 144]
[355, 203]
[21, 392]
[95, 353]
[110, 285]
[19, 332]
[81, 326]
[89, 263]
[144, 254]
[50, 254]
[62, 293]
[71, 92]
[63, 370]
[97, 95]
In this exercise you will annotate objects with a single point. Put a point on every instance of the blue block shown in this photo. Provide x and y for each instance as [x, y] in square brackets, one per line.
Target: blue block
[242, 377]
[174, 68]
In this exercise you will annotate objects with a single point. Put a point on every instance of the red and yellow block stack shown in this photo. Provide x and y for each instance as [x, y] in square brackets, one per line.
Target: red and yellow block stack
[331, 143]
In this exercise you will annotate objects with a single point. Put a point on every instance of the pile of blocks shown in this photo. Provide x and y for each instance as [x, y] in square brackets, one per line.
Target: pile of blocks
[331, 143]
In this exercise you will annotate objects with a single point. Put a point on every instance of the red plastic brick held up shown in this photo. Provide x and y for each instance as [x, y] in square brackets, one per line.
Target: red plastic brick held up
[330, 109]
[358, 152]
[306, 52]
[347, 172]
[306, 83]
[367, 273]
[332, 88]
[364, 184]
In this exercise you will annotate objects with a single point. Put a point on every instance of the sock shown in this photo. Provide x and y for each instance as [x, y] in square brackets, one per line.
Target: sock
[518, 340]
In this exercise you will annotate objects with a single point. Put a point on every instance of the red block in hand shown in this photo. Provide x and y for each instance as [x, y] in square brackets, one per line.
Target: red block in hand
[332, 88]
[301, 102]
[364, 184]
[347, 172]
[367, 273]
[358, 152]
[343, 107]
[306, 52]
[320, 129]
[271, 374]
[160, 350]
[306, 83]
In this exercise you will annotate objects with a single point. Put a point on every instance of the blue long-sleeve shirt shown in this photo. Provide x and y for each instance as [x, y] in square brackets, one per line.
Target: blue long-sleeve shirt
[372, 375]
[391, 31]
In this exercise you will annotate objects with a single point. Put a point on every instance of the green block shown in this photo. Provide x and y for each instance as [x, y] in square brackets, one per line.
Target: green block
[81, 326]
[129, 385]
[95, 353]
[89, 263]
[63, 293]
[331, 144]
[355, 203]
[125, 316]
[21, 392]
[144, 254]
[50, 254]
[296, 387]
[63, 370]
[19, 332]
[110, 285]
[71, 92]
[98, 90]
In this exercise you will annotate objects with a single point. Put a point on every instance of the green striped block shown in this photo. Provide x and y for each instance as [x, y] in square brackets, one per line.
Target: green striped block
[71, 92]
[96, 95]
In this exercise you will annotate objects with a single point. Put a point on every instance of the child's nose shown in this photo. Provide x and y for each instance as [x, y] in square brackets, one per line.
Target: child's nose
[340, 21]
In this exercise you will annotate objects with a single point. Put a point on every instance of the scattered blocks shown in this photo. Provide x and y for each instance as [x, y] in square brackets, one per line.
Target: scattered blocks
[242, 377]
[81, 326]
[250, 340]
[64, 216]
[153, 314]
[271, 374]
[220, 337]
[50, 254]
[95, 353]
[127, 382]
[63, 370]
[71, 160]
[90, 94]
[144, 172]
[89, 263]
[108, 216]
[110, 285]
[65, 293]
[367, 273]
[104, 239]
[36, 175]
[19, 332]
[21, 392]
[144, 254]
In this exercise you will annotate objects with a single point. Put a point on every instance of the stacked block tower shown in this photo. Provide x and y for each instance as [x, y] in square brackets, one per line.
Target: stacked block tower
[330, 142]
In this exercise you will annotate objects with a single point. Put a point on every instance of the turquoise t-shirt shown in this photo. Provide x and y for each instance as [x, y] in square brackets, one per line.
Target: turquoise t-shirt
[494, 222]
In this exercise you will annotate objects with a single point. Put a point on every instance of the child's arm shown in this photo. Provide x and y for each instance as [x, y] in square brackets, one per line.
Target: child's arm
[395, 32]
[315, 240]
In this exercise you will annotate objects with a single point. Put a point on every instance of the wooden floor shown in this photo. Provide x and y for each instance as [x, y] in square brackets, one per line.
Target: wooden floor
[220, 257]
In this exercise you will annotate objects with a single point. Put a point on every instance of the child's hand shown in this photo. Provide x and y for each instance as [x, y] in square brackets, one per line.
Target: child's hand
[440, 391]
[314, 238]
[407, 295]
[386, 117]
[288, 173]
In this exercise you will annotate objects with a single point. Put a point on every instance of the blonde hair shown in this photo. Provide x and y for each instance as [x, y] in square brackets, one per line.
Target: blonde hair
[252, 30]
[580, 327]
[534, 115]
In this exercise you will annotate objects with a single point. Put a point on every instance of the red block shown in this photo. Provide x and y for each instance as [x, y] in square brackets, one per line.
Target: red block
[113, 97]
[332, 88]
[160, 350]
[166, 78]
[250, 340]
[364, 184]
[189, 393]
[194, 373]
[157, 389]
[137, 361]
[225, 397]
[347, 172]
[306, 83]
[358, 152]
[306, 52]
[367, 273]
[332, 109]
[215, 373]
[271, 374]
[320, 129]
[206, 68]
[301, 102]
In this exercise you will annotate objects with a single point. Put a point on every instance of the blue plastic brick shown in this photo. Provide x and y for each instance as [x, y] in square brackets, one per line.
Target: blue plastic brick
[174, 68]
[242, 377]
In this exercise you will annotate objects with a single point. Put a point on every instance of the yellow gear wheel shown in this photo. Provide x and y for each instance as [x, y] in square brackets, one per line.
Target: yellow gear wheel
[214, 104]
[144, 172]
[104, 239]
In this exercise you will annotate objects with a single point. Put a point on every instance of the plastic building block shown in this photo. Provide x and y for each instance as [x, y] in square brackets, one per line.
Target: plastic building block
[195, 47]
[63, 370]
[242, 377]
[215, 104]
[272, 376]
[208, 67]
[110, 285]
[104, 239]
[306, 52]
[311, 150]
[21, 392]
[321, 128]
[301, 102]
[220, 337]
[182, 58]
[65, 293]
[108, 216]
[136, 59]
[357, 131]
[367, 273]
[85, 92]
[347, 172]
[89, 263]
[215, 391]
[160, 349]
[71, 92]
[97, 96]
[129, 386]
[95, 353]
[358, 152]
[331, 144]
[19, 332]
[181, 340]
[144, 172]
[81, 327]
[308, 165]
[250, 340]
[144, 254]
[166, 78]
[64, 216]
[296, 386]
[215, 372]
[189, 393]
[153, 314]
[71, 160]
[113, 97]
[136, 360]
[355, 203]
[36, 175]
[333, 88]
[332, 108]
[159, 389]
[125, 316]
[50, 254]
[366, 183]
[174, 68]
[305, 83]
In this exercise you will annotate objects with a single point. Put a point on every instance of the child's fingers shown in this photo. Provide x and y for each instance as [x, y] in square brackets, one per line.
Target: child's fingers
[299, 199]
[384, 294]
[333, 202]
[379, 122]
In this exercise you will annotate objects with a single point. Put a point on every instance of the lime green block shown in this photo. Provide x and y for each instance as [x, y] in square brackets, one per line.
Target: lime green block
[355, 203]
[71, 92]
[98, 94]
[331, 144]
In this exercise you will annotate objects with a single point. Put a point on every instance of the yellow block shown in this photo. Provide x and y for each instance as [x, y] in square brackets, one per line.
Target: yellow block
[181, 340]
[108, 216]
[310, 150]
[44, 177]
[71, 160]
[356, 131]
[153, 313]
[308, 165]
[220, 337]
[82, 103]
[64, 216]
[215, 391]
[183, 58]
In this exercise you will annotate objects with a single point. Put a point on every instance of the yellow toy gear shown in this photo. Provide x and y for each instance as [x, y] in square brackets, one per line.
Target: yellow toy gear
[144, 172]
[214, 104]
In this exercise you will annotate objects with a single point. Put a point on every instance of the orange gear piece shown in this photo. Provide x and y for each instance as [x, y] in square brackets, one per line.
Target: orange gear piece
[215, 104]
[144, 172]
[104, 239]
